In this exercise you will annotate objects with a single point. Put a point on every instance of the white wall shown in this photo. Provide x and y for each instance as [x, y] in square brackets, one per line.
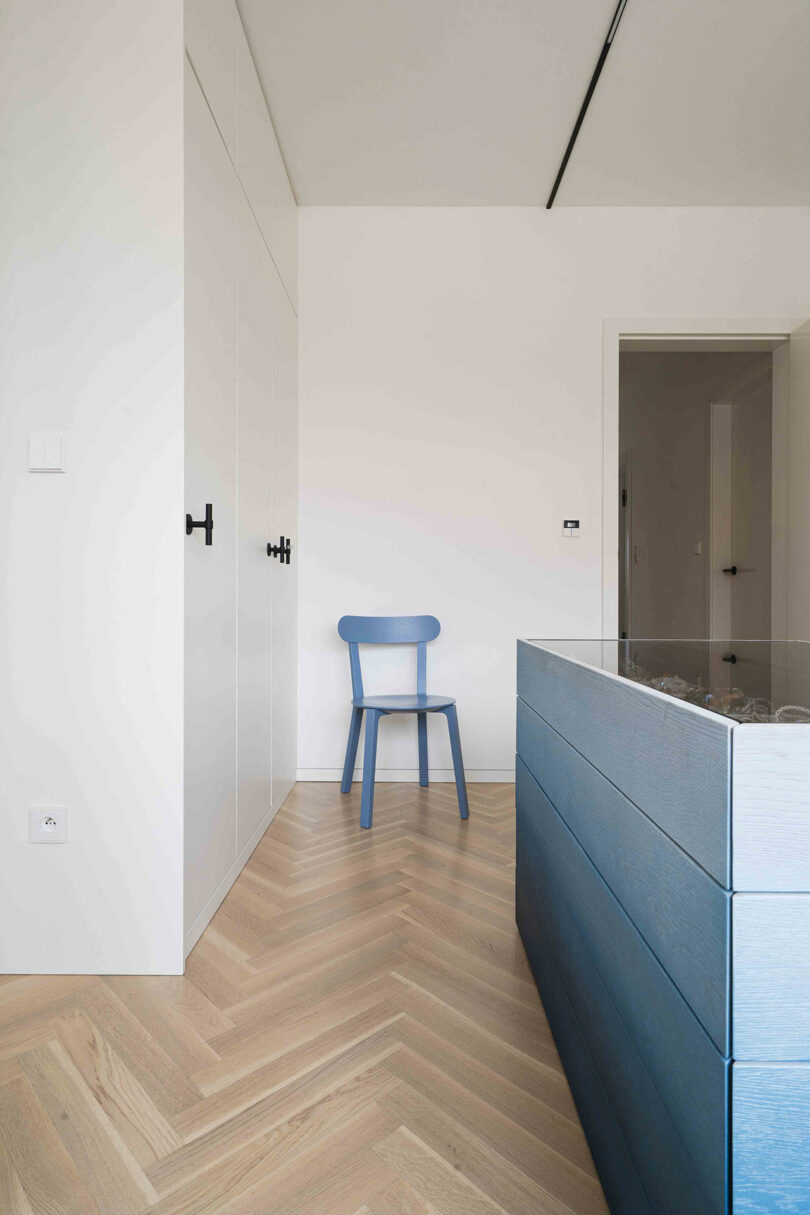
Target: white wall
[91, 338]
[451, 417]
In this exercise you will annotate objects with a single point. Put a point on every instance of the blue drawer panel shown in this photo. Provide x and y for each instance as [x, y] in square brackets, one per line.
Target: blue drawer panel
[684, 1066]
[672, 761]
[771, 977]
[682, 913]
[771, 1121]
[620, 1181]
[667, 1175]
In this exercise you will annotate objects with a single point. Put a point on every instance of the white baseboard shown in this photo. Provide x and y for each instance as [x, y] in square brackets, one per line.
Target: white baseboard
[202, 921]
[489, 776]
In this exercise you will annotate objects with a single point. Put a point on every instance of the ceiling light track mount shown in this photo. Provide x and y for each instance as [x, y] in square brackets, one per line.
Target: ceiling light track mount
[597, 72]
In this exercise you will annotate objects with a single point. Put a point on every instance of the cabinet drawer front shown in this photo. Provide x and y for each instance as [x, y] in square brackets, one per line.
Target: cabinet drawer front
[771, 1000]
[683, 1064]
[617, 1172]
[671, 760]
[771, 1138]
[665, 1169]
[681, 912]
[771, 801]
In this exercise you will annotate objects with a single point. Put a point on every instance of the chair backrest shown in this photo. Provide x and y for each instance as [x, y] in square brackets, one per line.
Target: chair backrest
[388, 630]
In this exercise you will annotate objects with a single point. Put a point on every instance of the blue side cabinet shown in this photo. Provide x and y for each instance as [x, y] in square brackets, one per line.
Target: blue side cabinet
[663, 897]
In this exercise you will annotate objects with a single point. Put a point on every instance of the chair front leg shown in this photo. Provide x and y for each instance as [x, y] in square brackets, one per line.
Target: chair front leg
[458, 764]
[351, 750]
[369, 765]
[421, 728]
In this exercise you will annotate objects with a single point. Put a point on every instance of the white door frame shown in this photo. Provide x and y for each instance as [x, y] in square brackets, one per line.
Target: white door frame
[614, 329]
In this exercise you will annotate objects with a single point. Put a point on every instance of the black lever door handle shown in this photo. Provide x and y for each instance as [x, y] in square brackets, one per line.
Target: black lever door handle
[207, 523]
[730, 569]
[281, 550]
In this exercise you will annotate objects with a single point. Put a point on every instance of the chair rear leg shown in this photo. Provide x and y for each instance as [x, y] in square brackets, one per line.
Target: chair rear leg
[458, 764]
[369, 765]
[421, 727]
[351, 750]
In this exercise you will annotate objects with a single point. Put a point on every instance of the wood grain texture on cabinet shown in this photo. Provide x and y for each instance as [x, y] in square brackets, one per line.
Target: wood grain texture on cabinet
[771, 1138]
[681, 912]
[672, 760]
[683, 1064]
[771, 1001]
[771, 800]
[618, 1174]
[669, 1176]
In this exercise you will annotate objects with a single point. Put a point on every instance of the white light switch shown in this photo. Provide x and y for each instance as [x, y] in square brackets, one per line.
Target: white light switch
[46, 453]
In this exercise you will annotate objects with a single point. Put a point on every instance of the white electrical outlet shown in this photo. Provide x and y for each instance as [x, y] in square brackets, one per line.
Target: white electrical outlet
[47, 825]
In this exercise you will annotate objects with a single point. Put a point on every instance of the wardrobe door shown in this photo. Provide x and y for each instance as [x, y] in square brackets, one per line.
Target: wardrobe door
[285, 522]
[211, 315]
[255, 497]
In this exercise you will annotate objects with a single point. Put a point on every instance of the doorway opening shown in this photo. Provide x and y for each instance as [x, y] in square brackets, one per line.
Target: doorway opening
[702, 465]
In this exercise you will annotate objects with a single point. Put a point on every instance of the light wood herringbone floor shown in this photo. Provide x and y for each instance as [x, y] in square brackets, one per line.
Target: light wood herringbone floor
[357, 1033]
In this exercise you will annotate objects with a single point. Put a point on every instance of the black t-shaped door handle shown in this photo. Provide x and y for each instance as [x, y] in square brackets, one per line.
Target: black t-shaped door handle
[207, 523]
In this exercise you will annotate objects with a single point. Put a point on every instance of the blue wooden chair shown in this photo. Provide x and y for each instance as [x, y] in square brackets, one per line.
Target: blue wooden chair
[394, 630]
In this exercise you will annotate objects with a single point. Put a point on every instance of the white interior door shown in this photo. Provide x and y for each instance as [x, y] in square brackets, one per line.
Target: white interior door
[751, 469]
[741, 483]
[798, 574]
[720, 546]
[212, 259]
[625, 547]
[285, 522]
[255, 498]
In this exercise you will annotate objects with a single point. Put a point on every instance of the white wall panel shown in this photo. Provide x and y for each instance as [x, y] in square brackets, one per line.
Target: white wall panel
[285, 522]
[285, 231]
[212, 202]
[255, 491]
[258, 158]
[91, 613]
[212, 31]
[241, 446]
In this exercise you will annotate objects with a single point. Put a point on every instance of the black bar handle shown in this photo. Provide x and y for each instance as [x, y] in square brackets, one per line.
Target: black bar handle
[207, 523]
[730, 569]
[281, 550]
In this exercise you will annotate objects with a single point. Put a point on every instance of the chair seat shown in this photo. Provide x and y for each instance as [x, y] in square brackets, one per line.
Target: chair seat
[404, 704]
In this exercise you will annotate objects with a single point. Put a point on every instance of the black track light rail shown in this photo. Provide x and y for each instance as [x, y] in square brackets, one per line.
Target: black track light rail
[614, 25]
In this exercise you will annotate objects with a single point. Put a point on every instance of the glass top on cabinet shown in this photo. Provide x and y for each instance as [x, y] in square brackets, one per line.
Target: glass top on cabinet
[748, 681]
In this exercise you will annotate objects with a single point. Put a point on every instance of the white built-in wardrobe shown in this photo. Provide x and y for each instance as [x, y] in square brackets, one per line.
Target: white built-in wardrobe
[240, 456]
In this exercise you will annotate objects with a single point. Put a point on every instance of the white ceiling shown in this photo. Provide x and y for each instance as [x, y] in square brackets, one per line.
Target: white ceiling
[464, 102]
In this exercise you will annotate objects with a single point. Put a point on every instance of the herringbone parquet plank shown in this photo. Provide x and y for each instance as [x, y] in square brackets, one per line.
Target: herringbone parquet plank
[357, 1033]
